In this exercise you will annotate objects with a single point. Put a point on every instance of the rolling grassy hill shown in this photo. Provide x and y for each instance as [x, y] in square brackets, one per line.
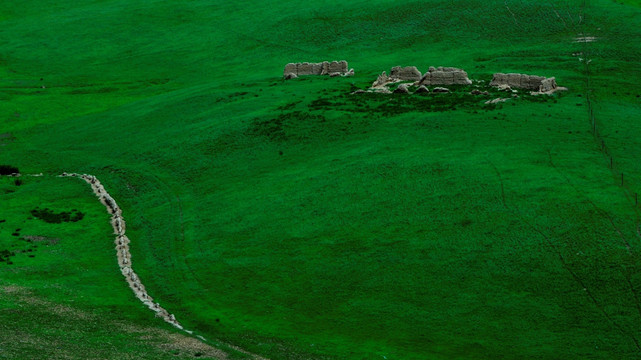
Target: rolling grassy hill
[298, 221]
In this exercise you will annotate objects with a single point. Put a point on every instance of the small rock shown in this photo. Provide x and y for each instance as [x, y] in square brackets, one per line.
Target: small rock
[334, 74]
[360, 91]
[496, 101]
[381, 90]
[440, 90]
[475, 92]
[402, 89]
[290, 76]
[422, 90]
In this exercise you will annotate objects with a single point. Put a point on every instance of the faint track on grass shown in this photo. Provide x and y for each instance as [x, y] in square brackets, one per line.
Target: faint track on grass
[564, 263]
[627, 274]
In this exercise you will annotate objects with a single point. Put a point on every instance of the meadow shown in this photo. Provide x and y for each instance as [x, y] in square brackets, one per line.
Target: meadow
[299, 221]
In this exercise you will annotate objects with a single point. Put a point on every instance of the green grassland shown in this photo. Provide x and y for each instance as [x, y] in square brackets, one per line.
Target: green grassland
[299, 221]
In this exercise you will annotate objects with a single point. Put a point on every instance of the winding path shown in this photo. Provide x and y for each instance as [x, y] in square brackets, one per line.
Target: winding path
[124, 258]
[122, 249]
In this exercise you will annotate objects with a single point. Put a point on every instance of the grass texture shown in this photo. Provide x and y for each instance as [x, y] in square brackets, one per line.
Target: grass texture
[298, 221]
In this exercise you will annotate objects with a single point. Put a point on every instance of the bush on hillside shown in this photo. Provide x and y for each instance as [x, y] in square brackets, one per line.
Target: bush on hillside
[8, 170]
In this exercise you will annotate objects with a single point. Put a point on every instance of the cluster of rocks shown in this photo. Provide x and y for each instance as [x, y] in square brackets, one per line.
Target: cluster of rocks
[523, 81]
[434, 76]
[122, 248]
[334, 68]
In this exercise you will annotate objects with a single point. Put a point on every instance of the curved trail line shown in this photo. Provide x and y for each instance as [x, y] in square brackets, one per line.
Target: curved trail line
[124, 258]
[122, 249]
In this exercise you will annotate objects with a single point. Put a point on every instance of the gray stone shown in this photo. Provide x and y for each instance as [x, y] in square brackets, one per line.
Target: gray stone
[322, 68]
[445, 76]
[290, 69]
[440, 90]
[305, 69]
[334, 74]
[523, 81]
[409, 73]
[422, 90]
[381, 80]
[290, 76]
[402, 89]
[548, 84]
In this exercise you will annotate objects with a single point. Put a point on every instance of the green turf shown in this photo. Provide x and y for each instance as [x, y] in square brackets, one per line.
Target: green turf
[298, 221]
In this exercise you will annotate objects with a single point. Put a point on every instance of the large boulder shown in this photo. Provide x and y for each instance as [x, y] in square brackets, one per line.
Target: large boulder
[322, 68]
[444, 76]
[408, 73]
[523, 81]
[290, 68]
[306, 69]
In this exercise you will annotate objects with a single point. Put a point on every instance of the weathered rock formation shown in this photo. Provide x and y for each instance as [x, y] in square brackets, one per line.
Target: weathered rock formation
[444, 76]
[322, 68]
[422, 90]
[408, 73]
[402, 89]
[523, 81]
[382, 80]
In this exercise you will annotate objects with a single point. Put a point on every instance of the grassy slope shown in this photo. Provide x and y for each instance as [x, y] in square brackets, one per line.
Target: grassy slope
[402, 235]
[62, 297]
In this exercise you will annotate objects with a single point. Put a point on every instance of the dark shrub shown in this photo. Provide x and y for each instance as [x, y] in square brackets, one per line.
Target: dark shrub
[8, 170]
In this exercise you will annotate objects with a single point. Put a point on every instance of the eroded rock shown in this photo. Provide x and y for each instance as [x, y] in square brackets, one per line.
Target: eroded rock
[407, 73]
[322, 68]
[444, 76]
[523, 81]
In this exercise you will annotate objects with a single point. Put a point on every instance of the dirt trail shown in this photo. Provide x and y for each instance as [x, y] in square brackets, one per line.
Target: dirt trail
[124, 258]
[122, 249]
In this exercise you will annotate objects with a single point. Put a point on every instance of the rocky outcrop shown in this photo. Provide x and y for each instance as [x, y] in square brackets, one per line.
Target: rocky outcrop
[408, 73]
[383, 80]
[445, 76]
[322, 68]
[524, 81]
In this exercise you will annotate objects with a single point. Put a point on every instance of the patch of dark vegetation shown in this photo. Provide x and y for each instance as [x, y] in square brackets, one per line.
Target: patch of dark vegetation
[8, 170]
[52, 217]
[460, 97]
[5, 256]
[288, 106]
[104, 90]
[18, 182]
[286, 126]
